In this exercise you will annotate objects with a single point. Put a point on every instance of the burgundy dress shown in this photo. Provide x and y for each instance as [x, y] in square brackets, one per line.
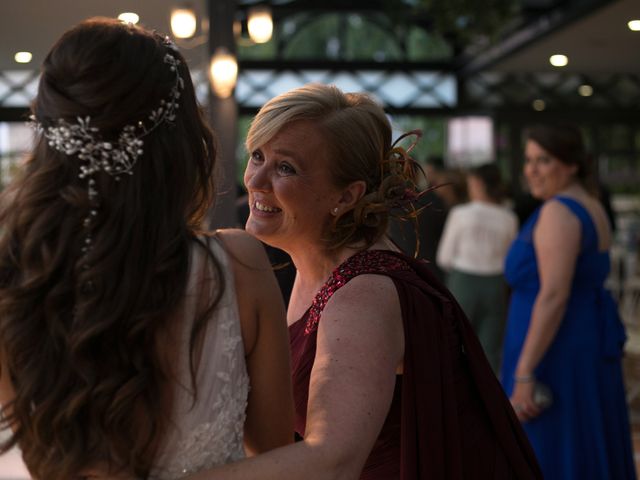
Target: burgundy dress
[449, 418]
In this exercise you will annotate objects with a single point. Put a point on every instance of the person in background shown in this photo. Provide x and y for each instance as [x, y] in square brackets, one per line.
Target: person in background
[564, 340]
[452, 187]
[132, 342]
[390, 381]
[472, 250]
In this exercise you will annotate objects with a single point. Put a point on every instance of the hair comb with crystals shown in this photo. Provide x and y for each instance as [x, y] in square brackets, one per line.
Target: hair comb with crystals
[114, 158]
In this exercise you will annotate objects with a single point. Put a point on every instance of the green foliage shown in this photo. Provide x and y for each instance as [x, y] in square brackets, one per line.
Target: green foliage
[352, 37]
[466, 20]
[424, 46]
[259, 51]
[244, 121]
[334, 36]
[434, 131]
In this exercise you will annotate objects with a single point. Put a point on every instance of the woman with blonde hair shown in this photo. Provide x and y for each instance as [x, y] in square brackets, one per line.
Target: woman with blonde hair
[389, 380]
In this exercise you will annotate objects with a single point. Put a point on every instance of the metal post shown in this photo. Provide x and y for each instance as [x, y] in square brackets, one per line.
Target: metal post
[224, 116]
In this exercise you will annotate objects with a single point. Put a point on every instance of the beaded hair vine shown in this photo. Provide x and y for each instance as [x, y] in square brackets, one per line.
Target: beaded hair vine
[114, 158]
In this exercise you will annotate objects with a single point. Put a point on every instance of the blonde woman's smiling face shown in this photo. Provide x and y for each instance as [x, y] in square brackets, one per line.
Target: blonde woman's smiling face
[291, 192]
[546, 175]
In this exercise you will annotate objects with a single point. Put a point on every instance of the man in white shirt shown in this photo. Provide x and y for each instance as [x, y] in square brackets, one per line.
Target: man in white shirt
[474, 244]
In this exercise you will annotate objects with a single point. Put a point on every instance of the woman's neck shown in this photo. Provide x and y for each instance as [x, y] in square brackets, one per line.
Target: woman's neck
[480, 196]
[315, 265]
[573, 189]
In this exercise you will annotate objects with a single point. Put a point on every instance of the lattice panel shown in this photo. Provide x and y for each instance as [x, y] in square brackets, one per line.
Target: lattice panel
[417, 89]
[400, 89]
[498, 90]
[18, 87]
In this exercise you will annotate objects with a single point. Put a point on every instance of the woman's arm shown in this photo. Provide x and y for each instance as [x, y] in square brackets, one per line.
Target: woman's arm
[269, 422]
[360, 345]
[556, 240]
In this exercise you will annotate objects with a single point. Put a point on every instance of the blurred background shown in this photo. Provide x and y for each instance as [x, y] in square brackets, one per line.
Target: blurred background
[470, 74]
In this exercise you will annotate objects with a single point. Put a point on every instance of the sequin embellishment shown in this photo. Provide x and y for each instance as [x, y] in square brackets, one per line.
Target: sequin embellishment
[367, 261]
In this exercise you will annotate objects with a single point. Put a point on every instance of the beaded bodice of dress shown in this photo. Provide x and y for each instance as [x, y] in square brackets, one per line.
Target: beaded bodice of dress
[209, 431]
[367, 261]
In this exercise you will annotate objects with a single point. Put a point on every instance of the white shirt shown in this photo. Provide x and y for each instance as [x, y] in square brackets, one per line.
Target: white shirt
[476, 238]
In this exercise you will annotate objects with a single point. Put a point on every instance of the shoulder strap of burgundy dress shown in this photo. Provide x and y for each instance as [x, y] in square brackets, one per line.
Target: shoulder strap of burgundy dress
[367, 261]
[431, 447]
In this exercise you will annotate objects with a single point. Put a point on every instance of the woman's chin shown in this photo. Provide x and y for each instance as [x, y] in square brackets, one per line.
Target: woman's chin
[259, 231]
[537, 193]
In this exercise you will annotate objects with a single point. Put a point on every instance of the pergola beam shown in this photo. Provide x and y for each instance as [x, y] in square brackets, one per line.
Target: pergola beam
[534, 31]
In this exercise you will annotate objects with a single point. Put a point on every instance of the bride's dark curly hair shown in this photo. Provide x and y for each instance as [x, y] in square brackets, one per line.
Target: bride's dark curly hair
[81, 336]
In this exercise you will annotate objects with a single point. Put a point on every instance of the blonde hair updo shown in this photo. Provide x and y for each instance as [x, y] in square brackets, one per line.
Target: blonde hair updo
[358, 135]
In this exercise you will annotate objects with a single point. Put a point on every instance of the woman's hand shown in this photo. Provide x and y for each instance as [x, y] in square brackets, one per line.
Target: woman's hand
[522, 401]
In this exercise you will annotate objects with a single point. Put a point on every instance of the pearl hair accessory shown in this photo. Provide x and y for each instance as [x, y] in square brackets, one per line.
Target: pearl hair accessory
[114, 158]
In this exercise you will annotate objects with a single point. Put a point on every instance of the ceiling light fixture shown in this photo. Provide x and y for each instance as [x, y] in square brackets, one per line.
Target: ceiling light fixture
[223, 72]
[538, 105]
[183, 22]
[23, 57]
[558, 60]
[129, 17]
[634, 25]
[585, 90]
[260, 24]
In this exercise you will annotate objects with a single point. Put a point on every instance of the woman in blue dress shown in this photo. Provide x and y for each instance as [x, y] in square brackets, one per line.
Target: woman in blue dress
[563, 331]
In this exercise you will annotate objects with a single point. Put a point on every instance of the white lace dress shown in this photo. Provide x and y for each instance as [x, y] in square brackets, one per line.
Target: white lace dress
[209, 432]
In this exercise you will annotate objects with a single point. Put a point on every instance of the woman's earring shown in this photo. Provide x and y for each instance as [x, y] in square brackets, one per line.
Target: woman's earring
[334, 211]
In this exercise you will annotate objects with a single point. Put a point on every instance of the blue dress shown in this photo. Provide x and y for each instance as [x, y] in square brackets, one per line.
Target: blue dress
[585, 433]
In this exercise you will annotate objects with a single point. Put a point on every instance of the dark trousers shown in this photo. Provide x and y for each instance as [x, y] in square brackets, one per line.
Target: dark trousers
[484, 300]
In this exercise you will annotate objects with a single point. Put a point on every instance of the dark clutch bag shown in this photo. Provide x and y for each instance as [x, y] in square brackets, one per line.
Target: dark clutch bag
[542, 396]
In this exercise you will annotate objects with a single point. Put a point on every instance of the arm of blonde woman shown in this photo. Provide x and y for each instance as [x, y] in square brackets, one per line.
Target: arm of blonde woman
[269, 422]
[556, 240]
[360, 345]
